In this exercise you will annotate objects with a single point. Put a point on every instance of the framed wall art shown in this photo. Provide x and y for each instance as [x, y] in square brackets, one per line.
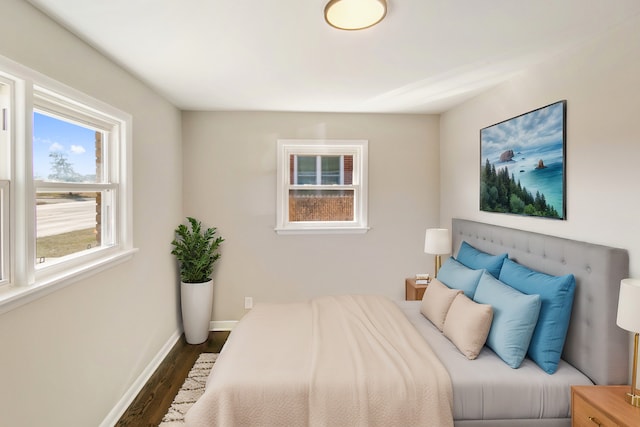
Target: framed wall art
[523, 159]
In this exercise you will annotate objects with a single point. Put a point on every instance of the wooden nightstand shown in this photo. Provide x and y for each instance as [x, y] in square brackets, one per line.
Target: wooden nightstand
[603, 406]
[413, 291]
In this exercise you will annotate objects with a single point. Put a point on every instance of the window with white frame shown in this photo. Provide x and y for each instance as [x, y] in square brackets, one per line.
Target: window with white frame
[73, 176]
[4, 232]
[322, 186]
[5, 175]
[66, 161]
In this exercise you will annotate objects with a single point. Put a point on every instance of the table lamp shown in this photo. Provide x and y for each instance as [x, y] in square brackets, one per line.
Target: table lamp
[629, 319]
[438, 243]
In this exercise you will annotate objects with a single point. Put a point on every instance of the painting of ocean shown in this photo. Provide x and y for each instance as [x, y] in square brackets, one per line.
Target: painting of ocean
[522, 164]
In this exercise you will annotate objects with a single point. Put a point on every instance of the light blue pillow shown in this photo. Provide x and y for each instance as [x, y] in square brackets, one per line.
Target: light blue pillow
[476, 259]
[514, 318]
[556, 294]
[457, 276]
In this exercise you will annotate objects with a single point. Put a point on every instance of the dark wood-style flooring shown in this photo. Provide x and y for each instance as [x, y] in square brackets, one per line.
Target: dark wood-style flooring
[154, 399]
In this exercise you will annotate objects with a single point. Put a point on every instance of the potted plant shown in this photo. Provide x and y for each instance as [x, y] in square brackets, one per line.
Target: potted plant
[196, 250]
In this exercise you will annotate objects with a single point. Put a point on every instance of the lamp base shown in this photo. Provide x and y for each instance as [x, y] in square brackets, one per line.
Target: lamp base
[438, 264]
[633, 399]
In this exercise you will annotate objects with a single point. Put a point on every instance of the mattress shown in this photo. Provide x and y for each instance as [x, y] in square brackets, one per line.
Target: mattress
[487, 389]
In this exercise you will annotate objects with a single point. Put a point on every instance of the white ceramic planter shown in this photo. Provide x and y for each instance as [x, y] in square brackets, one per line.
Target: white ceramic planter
[196, 301]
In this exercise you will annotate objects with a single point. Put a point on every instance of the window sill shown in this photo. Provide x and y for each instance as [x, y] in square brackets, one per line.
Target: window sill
[323, 230]
[13, 297]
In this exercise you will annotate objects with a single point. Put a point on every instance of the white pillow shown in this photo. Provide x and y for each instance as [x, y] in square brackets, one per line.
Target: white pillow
[467, 325]
[436, 301]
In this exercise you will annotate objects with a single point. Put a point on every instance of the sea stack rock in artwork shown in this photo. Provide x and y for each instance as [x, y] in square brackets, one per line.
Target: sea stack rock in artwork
[540, 164]
[507, 156]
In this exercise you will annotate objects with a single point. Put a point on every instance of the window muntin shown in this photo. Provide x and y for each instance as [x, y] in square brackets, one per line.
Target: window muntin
[322, 186]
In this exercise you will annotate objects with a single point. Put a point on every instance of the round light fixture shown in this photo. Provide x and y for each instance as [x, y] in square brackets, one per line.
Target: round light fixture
[354, 14]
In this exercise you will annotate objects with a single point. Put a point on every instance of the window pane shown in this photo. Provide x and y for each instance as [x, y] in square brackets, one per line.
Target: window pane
[64, 151]
[321, 205]
[66, 223]
[348, 170]
[306, 170]
[4, 228]
[330, 170]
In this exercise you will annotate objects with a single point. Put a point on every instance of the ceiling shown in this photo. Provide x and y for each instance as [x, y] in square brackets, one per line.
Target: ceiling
[426, 56]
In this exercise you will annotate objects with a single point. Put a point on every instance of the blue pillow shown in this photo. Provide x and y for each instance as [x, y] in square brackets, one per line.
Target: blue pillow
[457, 276]
[556, 294]
[476, 259]
[514, 318]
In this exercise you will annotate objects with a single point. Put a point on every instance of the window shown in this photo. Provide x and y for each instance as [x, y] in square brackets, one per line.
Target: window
[4, 232]
[5, 175]
[322, 186]
[74, 189]
[65, 191]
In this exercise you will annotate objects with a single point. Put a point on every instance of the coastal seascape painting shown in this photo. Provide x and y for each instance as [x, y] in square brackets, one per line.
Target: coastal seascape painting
[522, 169]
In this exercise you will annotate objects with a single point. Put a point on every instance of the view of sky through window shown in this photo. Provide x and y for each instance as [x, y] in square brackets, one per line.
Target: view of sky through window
[74, 143]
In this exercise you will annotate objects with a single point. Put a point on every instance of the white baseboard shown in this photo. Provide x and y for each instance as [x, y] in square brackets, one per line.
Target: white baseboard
[222, 325]
[124, 402]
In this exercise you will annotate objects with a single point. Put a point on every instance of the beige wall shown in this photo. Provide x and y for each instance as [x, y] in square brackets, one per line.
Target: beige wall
[230, 182]
[68, 358]
[601, 83]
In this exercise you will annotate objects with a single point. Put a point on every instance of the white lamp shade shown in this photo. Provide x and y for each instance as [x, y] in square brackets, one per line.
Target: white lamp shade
[629, 305]
[437, 241]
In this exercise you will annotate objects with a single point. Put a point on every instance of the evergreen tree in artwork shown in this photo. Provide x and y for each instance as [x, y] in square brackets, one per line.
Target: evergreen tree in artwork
[500, 192]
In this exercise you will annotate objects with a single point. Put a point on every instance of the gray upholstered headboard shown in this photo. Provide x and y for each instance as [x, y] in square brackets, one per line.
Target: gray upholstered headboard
[595, 344]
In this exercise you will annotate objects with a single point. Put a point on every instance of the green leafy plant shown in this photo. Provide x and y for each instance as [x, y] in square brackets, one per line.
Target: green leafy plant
[196, 250]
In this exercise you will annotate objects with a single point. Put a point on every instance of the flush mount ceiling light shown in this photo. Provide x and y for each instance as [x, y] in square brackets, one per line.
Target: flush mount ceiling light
[354, 14]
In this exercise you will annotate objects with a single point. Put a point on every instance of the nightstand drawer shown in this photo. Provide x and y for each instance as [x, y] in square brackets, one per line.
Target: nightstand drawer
[586, 415]
[604, 405]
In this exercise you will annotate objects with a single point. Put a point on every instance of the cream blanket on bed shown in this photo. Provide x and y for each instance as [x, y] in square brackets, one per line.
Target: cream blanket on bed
[333, 361]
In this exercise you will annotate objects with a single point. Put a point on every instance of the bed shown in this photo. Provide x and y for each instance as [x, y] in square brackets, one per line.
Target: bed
[345, 381]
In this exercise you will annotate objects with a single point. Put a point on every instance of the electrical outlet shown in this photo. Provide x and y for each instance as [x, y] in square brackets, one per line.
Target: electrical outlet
[248, 302]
